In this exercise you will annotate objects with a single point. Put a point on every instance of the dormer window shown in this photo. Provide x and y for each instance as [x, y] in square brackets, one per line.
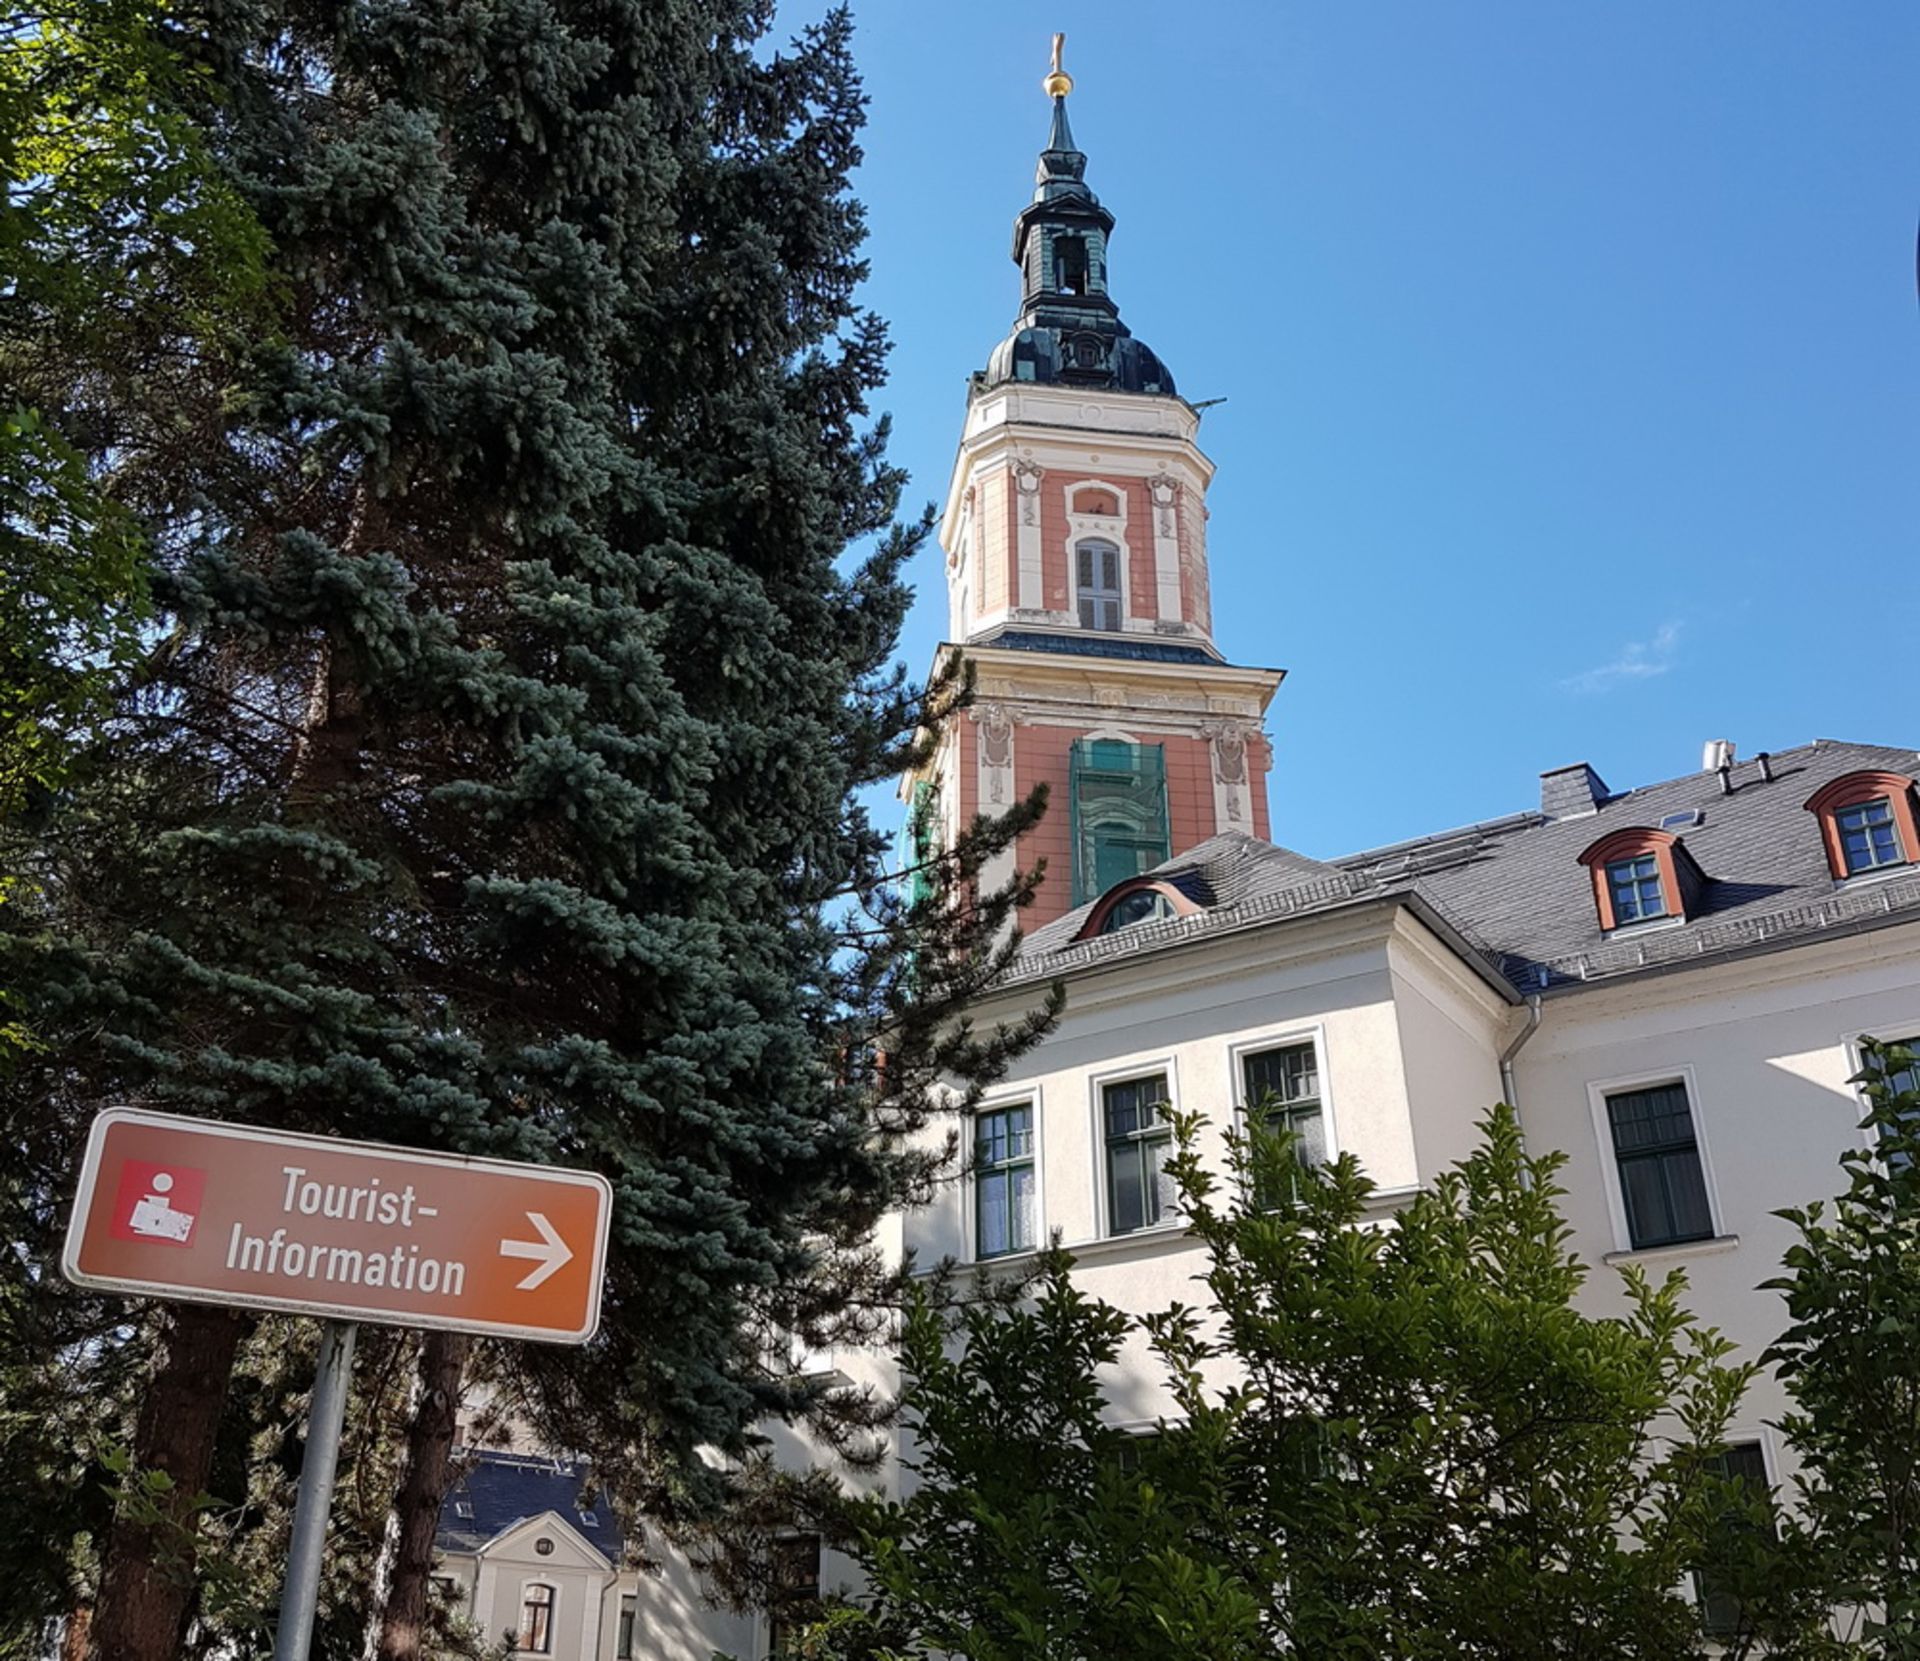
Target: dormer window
[1143, 905]
[1638, 894]
[1642, 875]
[1147, 900]
[1867, 822]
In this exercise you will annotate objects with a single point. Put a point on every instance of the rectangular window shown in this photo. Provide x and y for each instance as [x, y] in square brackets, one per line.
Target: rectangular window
[623, 1633]
[1117, 813]
[1720, 1612]
[1635, 886]
[1868, 836]
[1004, 1207]
[795, 1594]
[1283, 1093]
[1906, 1080]
[1097, 583]
[1139, 1139]
[1661, 1180]
[536, 1620]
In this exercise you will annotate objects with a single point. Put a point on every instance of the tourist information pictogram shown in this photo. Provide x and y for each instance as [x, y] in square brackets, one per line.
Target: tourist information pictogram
[170, 1207]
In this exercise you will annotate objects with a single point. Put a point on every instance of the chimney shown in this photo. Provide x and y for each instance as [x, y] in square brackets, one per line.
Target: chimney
[1568, 792]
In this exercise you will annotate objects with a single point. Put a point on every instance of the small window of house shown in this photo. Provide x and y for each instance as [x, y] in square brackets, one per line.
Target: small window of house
[1868, 823]
[1004, 1194]
[624, 1633]
[1662, 1183]
[1097, 573]
[1283, 1093]
[536, 1620]
[795, 1598]
[1637, 890]
[1868, 836]
[1139, 1137]
[463, 1509]
[1745, 1463]
[1143, 905]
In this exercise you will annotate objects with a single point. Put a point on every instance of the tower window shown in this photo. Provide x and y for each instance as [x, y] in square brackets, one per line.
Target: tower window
[1117, 802]
[1097, 575]
[1070, 265]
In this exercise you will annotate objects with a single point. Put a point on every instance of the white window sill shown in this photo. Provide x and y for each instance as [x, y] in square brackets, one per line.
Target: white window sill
[1713, 1246]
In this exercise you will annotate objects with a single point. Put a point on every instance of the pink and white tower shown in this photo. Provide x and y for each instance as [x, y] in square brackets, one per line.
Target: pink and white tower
[1075, 536]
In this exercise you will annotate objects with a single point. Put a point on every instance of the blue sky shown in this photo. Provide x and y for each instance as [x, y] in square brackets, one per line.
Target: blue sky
[1572, 358]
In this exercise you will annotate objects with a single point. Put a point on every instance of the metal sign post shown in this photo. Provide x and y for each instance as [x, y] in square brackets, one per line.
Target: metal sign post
[211, 1212]
[313, 1502]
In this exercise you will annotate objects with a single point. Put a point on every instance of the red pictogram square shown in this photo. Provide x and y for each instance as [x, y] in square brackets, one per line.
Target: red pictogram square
[157, 1203]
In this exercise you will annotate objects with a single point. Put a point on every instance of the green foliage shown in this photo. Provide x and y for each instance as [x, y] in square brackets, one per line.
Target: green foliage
[1383, 1434]
[524, 573]
[1850, 1361]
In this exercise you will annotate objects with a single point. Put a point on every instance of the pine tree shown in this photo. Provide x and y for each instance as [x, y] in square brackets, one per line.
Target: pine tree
[491, 782]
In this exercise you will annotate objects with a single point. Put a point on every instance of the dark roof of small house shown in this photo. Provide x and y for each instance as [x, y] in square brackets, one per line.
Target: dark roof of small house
[502, 1489]
[1514, 899]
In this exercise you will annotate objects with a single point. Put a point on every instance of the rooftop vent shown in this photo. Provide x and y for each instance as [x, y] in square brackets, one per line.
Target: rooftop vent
[1681, 821]
[1568, 792]
[1716, 755]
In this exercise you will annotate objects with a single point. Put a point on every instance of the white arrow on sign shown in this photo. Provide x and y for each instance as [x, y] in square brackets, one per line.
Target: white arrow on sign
[549, 1251]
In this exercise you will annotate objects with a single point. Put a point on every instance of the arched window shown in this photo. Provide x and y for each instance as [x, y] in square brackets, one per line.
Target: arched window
[1867, 821]
[1097, 578]
[536, 1618]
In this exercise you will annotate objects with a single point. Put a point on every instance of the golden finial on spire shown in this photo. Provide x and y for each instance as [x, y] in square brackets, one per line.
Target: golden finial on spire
[1058, 82]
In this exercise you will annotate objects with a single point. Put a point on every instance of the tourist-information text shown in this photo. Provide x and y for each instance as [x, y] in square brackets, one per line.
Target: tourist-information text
[210, 1212]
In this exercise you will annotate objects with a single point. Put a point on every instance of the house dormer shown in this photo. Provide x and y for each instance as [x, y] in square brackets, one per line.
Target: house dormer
[1867, 822]
[1642, 875]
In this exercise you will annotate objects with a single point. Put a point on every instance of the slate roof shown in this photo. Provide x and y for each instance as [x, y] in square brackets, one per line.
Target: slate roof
[502, 1489]
[1512, 898]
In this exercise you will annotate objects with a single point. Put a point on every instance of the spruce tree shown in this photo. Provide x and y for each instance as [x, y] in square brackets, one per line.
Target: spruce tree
[523, 607]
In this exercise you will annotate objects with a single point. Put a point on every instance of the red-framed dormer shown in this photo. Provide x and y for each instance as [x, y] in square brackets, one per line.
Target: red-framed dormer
[1867, 822]
[1642, 875]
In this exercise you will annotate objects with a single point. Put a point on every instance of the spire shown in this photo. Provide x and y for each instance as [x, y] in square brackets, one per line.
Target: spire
[1069, 329]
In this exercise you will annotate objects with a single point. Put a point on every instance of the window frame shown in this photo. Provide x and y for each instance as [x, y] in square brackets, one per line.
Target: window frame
[1030, 1100]
[1286, 1038]
[1853, 1044]
[1598, 1092]
[1094, 592]
[1857, 789]
[775, 1619]
[551, 1609]
[1762, 1440]
[1139, 1069]
[1626, 878]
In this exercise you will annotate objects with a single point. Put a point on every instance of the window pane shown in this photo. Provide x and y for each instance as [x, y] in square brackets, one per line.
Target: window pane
[1023, 1226]
[992, 1213]
[1721, 1613]
[1308, 1125]
[1643, 1120]
[1163, 1197]
[1645, 1193]
[1126, 1187]
[1290, 1075]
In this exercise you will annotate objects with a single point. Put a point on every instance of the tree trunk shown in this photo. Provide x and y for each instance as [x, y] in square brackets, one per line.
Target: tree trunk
[423, 1488]
[75, 1636]
[147, 1581]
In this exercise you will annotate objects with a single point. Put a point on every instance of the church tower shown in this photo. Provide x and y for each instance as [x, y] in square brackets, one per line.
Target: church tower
[1076, 565]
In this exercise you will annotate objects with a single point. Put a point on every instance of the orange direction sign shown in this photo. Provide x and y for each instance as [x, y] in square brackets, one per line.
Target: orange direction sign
[170, 1207]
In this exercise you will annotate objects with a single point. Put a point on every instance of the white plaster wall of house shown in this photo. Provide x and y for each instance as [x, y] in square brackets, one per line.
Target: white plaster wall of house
[1765, 1046]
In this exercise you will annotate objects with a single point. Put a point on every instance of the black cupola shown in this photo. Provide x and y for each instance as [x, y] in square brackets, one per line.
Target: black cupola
[1069, 330]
